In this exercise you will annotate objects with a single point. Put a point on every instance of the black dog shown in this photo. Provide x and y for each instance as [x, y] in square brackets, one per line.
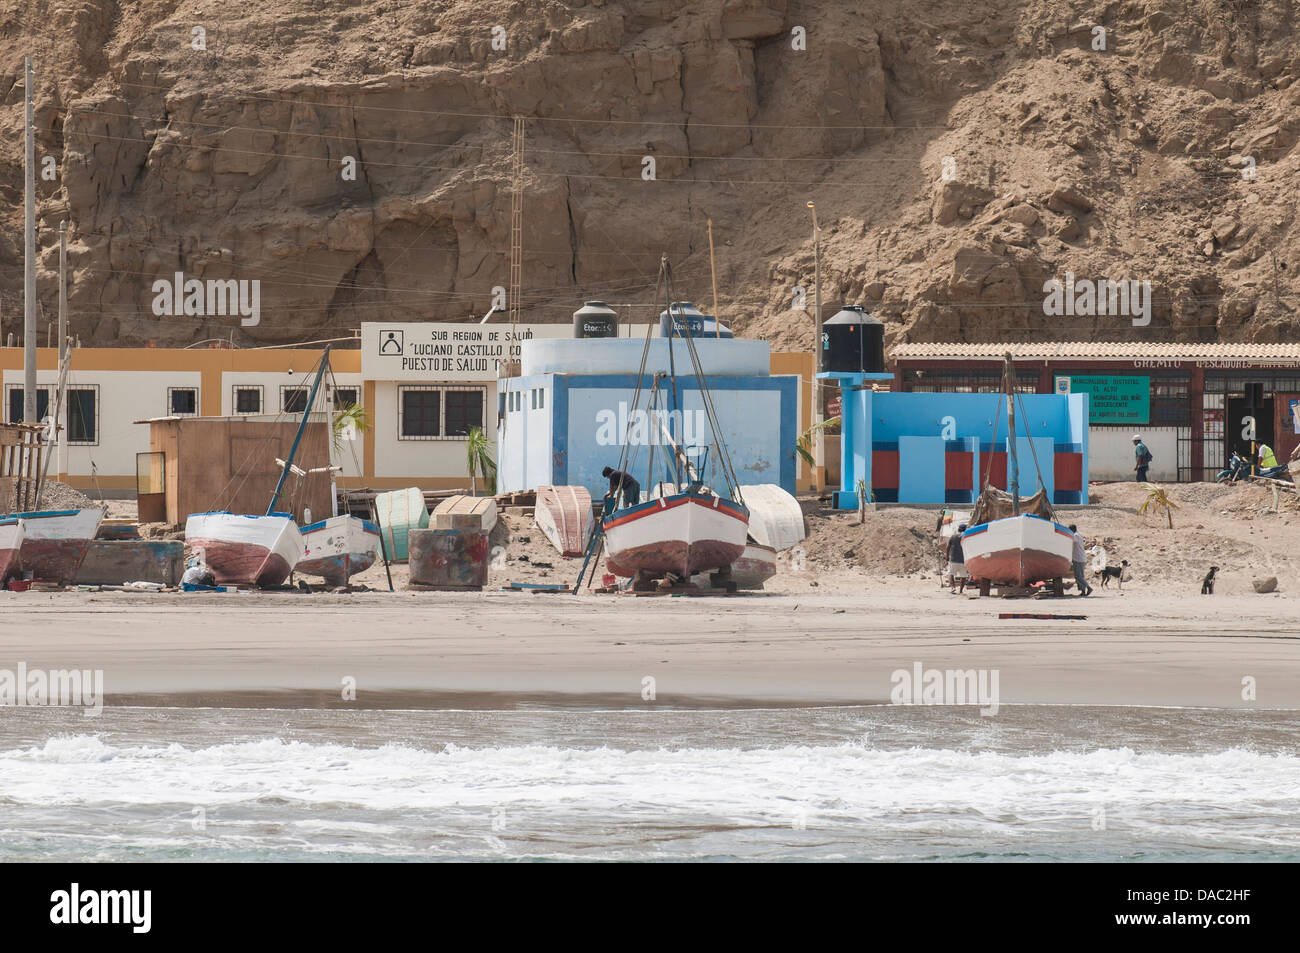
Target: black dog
[1114, 572]
[1207, 584]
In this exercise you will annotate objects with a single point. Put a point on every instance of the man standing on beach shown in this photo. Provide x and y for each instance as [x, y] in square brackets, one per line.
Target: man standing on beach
[1077, 558]
[1141, 458]
[956, 560]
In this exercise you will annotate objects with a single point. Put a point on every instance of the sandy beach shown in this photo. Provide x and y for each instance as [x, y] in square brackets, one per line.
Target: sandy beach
[496, 649]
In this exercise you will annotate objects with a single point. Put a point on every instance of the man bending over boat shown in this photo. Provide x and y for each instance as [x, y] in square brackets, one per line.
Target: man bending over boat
[624, 483]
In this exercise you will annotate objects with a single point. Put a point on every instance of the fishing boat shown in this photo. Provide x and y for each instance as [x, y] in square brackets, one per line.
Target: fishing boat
[688, 528]
[246, 550]
[1018, 550]
[563, 514]
[11, 542]
[255, 550]
[55, 542]
[1004, 545]
[338, 548]
[684, 533]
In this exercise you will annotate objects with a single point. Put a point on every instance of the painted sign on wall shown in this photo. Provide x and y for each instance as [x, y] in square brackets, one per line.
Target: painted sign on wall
[437, 351]
[1111, 399]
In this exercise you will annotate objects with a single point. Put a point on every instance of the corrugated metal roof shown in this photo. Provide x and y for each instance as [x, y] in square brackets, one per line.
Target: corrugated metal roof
[1103, 350]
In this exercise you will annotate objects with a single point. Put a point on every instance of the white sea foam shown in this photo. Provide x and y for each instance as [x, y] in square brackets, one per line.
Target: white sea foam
[838, 782]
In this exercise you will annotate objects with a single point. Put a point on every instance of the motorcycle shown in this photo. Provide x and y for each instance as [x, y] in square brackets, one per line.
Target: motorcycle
[1238, 467]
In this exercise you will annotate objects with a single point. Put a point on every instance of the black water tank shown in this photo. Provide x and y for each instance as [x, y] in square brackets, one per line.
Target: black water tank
[854, 341]
[692, 322]
[595, 319]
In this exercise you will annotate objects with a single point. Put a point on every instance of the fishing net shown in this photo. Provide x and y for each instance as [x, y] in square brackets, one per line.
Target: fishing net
[995, 504]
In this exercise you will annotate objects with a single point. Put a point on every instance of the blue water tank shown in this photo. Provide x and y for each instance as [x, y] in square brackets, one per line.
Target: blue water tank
[691, 322]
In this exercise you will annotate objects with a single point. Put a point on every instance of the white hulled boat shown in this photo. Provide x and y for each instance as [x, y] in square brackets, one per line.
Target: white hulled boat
[246, 550]
[683, 533]
[1015, 548]
[249, 550]
[55, 542]
[1018, 550]
[688, 528]
[338, 548]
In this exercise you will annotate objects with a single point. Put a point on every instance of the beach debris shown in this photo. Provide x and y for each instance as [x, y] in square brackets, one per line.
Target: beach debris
[1265, 584]
[535, 587]
[1039, 615]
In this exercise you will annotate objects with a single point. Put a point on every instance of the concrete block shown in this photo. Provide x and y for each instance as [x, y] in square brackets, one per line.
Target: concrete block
[113, 562]
[448, 559]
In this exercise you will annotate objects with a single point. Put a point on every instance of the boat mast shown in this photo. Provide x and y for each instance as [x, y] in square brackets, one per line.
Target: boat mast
[672, 365]
[1008, 380]
[302, 425]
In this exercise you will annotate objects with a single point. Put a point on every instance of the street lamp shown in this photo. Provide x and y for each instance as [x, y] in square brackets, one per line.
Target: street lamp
[818, 457]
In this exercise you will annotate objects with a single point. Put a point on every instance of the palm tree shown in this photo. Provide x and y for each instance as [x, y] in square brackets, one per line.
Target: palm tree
[480, 460]
[348, 419]
[1157, 500]
[804, 444]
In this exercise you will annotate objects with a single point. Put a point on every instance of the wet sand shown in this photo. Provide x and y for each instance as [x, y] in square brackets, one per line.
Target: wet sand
[498, 650]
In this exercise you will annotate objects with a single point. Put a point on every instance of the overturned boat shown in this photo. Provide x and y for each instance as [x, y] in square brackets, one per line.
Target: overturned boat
[563, 514]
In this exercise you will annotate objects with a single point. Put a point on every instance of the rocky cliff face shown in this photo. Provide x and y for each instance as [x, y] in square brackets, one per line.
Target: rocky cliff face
[354, 157]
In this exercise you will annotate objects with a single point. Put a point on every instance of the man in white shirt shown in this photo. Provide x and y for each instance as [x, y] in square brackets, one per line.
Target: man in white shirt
[1077, 558]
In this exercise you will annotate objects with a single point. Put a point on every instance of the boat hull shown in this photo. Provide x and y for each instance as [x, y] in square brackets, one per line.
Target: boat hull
[683, 533]
[397, 513]
[1018, 550]
[246, 550]
[563, 513]
[11, 544]
[55, 543]
[338, 548]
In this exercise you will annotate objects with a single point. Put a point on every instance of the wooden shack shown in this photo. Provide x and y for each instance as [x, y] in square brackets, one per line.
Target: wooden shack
[20, 466]
[201, 464]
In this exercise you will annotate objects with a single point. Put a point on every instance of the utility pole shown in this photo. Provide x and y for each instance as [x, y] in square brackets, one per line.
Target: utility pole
[29, 259]
[63, 290]
[713, 272]
[818, 448]
[516, 235]
[62, 346]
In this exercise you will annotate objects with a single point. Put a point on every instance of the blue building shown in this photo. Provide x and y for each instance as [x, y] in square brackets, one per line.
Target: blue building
[575, 408]
[941, 448]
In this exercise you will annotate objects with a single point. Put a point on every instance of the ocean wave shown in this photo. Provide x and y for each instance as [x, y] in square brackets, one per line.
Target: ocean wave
[849, 778]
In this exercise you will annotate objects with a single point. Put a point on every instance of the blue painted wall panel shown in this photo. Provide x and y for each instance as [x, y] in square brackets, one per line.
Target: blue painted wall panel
[920, 469]
[588, 418]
